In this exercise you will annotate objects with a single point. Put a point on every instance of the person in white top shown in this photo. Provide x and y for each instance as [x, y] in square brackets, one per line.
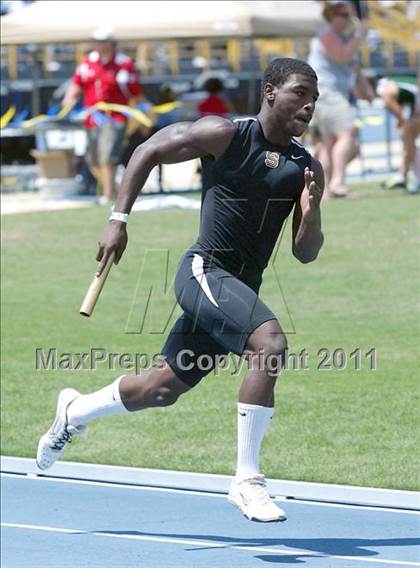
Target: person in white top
[333, 55]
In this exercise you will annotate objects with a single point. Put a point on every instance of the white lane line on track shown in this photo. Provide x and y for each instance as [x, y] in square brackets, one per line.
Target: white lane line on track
[207, 544]
[111, 485]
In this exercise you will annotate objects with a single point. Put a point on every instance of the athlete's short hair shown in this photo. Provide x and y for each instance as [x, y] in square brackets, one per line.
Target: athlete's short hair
[280, 69]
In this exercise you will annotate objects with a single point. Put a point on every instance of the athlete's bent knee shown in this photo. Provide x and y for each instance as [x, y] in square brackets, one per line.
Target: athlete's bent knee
[269, 338]
[274, 345]
[268, 346]
[164, 396]
[274, 351]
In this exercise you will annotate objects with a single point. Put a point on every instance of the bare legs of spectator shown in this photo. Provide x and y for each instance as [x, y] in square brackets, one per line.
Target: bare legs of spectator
[342, 152]
[409, 131]
[108, 179]
[336, 152]
[105, 176]
[96, 170]
[323, 153]
[417, 168]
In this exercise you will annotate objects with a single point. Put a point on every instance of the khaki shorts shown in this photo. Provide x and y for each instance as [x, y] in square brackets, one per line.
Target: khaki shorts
[333, 113]
[105, 143]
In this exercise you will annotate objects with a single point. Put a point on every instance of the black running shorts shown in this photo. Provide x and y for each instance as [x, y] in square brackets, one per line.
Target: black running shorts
[220, 312]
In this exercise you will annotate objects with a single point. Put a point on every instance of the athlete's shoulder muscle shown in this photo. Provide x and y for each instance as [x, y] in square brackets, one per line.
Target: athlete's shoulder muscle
[188, 140]
[213, 134]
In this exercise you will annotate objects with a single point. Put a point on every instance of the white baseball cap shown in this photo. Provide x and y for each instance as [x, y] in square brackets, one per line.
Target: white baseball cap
[103, 34]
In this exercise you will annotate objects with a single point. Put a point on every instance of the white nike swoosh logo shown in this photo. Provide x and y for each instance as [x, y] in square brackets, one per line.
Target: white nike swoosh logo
[296, 157]
[198, 273]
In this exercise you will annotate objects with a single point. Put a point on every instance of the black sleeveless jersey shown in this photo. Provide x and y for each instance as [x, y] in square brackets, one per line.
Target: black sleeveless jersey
[248, 192]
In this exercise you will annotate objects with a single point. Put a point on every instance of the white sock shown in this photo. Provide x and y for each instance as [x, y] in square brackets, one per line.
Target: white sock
[104, 402]
[253, 422]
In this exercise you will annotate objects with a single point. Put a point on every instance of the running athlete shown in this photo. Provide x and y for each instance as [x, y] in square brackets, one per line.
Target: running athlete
[255, 174]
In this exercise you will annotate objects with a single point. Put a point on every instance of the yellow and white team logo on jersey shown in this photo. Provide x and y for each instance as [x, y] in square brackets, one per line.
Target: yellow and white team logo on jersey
[272, 159]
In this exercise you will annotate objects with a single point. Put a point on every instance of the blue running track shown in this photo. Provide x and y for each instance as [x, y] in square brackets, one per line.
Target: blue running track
[52, 523]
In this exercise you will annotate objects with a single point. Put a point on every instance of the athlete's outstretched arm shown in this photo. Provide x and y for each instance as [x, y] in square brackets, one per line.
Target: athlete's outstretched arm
[307, 234]
[176, 143]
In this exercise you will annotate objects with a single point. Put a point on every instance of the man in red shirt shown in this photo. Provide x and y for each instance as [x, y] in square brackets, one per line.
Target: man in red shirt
[104, 75]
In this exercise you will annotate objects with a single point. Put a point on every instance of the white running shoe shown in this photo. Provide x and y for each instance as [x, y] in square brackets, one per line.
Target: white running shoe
[251, 497]
[52, 444]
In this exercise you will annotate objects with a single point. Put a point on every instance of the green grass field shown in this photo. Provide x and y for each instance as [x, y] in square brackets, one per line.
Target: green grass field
[340, 426]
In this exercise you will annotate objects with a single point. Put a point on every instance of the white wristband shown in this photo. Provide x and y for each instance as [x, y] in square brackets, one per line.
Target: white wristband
[116, 216]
